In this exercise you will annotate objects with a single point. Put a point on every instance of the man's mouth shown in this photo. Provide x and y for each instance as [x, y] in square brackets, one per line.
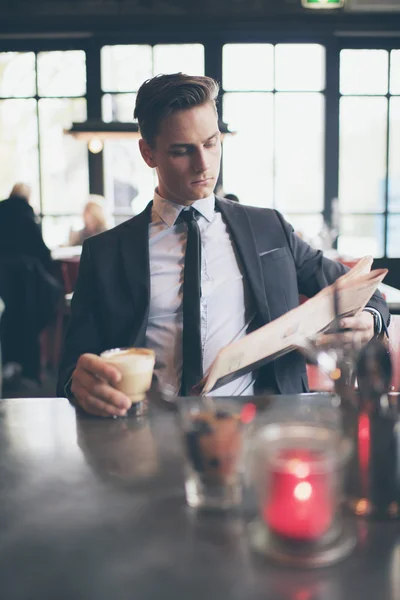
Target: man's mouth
[202, 181]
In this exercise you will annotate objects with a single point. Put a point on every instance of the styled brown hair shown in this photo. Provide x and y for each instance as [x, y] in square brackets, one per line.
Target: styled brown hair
[162, 95]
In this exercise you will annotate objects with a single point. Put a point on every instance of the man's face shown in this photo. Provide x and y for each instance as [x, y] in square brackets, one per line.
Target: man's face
[187, 154]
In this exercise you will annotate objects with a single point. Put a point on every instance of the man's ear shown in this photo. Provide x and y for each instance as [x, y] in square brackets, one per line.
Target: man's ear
[147, 153]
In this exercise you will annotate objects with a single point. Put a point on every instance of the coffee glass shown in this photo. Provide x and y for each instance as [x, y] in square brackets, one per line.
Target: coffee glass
[212, 432]
[136, 366]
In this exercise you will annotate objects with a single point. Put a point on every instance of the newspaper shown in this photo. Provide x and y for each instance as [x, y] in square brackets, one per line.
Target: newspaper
[353, 290]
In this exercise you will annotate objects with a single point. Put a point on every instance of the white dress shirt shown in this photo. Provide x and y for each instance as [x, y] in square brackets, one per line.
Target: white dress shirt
[226, 310]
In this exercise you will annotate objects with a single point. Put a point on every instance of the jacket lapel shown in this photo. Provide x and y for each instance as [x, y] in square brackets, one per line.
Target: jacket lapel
[243, 235]
[135, 259]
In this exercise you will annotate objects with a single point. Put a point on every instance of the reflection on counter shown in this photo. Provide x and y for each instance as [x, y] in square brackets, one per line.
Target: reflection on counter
[123, 449]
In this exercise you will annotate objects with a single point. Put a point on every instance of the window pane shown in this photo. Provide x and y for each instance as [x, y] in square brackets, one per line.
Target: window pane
[56, 230]
[125, 68]
[175, 58]
[362, 165]
[17, 74]
[394, 156]
[307, 227]
[248, 156]
[248, 67]
[62, 73]
[395, 72]
[118, 107]
[19, 147]
[361, 235]
[299, 154]
[364, 71]
[129, 182]
[64, 161]
[299, 67]
[393, 250]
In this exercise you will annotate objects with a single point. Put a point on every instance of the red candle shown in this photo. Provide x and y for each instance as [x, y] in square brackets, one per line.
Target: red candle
[299, 503]
[364, 438]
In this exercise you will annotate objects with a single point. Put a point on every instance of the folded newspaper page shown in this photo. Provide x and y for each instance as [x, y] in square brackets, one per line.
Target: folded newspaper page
[289, 331]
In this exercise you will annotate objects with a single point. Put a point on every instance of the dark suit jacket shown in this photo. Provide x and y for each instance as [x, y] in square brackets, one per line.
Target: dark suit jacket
[111, 300]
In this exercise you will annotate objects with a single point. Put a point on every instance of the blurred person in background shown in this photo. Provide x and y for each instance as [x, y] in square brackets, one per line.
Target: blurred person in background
[94, 220]
[20, 232]
[27, 285]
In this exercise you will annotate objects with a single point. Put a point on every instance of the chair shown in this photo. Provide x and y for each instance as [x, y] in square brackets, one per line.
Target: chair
[69, 268]
[30, 296]
[69, 271]
[394, 347]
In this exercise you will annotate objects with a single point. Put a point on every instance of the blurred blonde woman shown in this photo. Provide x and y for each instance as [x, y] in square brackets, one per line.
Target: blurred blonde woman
[94, 220]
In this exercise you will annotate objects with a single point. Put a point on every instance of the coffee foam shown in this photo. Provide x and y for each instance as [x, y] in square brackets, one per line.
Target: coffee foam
[132, 359]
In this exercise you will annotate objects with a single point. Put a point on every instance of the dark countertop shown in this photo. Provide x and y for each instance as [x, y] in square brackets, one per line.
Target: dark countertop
[94, 509]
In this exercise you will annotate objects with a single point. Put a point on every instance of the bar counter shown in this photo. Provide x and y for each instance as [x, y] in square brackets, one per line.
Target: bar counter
[94, 509]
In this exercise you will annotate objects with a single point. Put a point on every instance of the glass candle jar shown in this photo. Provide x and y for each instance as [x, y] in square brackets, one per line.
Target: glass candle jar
[298, 476]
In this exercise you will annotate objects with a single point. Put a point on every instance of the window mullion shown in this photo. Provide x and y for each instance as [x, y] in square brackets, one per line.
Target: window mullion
[332, 101]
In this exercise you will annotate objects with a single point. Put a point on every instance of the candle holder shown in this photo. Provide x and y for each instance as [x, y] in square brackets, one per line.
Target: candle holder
[298, 469]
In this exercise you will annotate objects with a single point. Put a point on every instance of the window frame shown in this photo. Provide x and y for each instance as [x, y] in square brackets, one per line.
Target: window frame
[213, 42]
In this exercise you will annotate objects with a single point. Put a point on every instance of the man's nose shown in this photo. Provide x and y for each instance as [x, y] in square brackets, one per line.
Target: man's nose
[200, 162]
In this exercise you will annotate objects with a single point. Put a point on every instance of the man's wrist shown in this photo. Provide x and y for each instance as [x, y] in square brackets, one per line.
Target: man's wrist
[377, 320]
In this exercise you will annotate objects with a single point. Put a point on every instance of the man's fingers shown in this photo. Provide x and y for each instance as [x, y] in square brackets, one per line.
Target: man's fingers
[98, 366]
[347, 323]
[101, 390]
[92, 383]
[333, 339]
[355, 323]
[94, 405]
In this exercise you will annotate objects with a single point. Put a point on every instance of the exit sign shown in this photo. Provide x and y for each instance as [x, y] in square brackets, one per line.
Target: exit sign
[323, 3]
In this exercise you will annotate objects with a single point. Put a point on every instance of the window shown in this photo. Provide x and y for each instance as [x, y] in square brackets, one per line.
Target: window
[369, 171]
[33, 146]
[129, 183]
[274, 100]
[18, 123]
[286, 154]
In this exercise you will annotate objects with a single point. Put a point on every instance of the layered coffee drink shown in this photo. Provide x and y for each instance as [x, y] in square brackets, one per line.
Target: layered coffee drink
[214, 445]
[136, 366]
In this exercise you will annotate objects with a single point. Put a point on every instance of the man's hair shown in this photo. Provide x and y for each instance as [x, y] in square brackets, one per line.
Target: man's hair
[21, 190]
[163, 95]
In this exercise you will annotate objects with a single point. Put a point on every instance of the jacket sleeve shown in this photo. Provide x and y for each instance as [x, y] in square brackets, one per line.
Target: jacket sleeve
[314, 271]
[83, 333]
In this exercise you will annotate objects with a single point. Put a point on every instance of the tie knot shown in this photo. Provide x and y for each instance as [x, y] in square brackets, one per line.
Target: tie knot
[188, 216]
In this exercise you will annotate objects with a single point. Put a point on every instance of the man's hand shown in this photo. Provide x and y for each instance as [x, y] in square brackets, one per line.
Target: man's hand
[361, 326]
[361, 331]
[92, 386]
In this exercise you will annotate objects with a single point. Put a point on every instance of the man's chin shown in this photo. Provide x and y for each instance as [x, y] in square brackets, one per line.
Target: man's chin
[203, 192]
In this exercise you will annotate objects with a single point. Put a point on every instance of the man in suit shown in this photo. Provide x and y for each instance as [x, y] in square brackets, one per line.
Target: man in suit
[131, 286]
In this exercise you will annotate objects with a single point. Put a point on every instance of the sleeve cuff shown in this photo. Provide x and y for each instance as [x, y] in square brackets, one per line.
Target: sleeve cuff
[378, 321]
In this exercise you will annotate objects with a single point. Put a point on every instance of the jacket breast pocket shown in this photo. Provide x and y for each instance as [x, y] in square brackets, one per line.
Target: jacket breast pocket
[280, 280]
[274, 254]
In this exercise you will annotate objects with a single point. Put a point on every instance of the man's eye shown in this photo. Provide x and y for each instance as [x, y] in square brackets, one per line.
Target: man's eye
[210, 144]
[178, 152]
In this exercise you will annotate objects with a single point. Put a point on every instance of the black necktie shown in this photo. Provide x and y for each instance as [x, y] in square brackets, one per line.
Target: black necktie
[192, 365]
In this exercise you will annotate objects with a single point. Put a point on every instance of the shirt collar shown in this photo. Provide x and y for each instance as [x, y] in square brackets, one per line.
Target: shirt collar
[170, 211]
